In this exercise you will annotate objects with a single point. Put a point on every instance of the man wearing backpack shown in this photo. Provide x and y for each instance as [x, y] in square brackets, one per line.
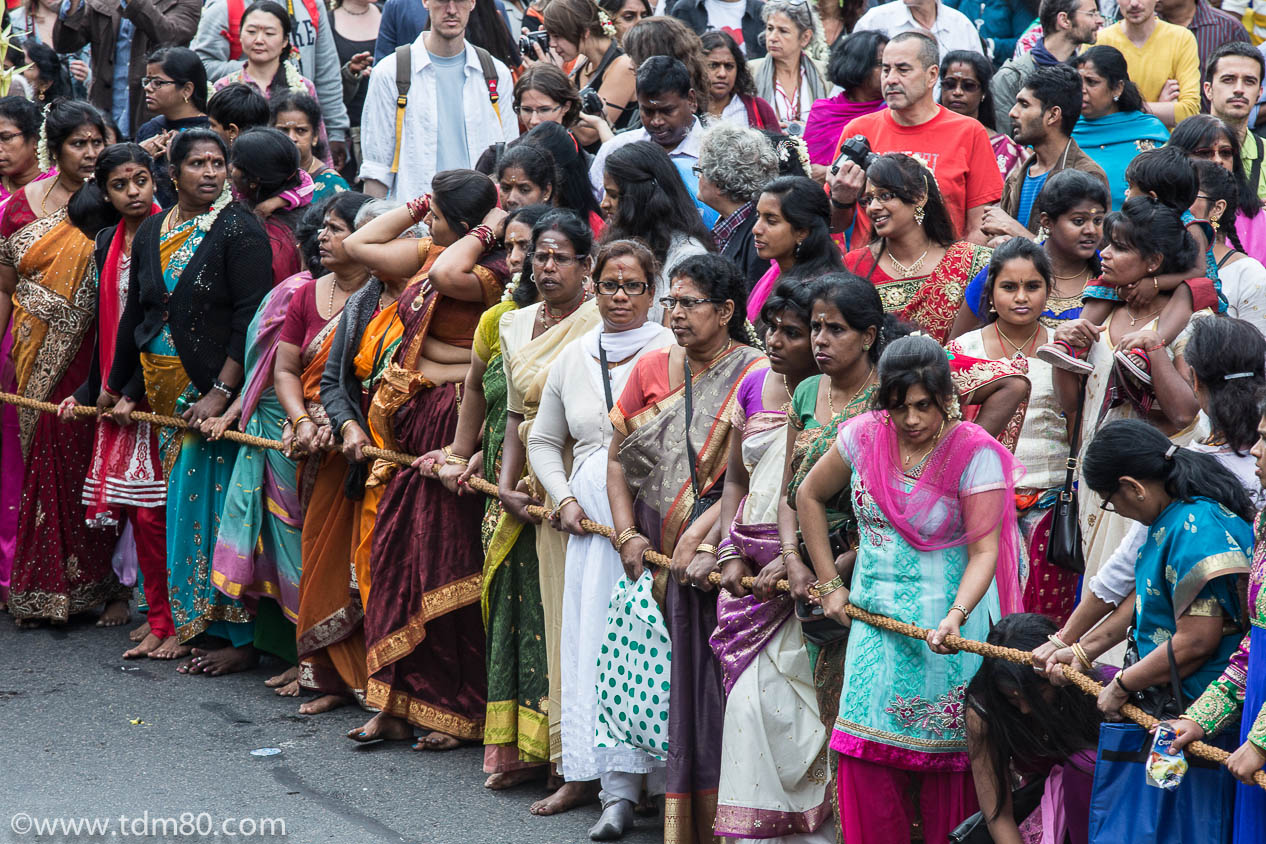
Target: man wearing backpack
[218, 44]
[433, 105]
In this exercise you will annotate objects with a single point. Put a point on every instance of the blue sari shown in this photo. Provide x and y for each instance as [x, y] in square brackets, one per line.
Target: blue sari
[1194, 553]
[198, 481]
[1113, 140]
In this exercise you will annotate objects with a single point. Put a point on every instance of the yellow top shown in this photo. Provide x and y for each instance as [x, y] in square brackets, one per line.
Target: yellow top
[1169, 53]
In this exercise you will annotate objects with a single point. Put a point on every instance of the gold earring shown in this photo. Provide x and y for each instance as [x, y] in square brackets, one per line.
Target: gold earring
[919, 214]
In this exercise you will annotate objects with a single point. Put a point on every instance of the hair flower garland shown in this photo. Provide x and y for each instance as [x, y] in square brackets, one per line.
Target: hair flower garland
[207, 220]
[604, 20]
[41, 149]
[294, 81]
[508, 295]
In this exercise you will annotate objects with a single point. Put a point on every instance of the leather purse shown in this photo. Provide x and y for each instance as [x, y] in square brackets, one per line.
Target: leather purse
[1024, 802]
[1063, 548]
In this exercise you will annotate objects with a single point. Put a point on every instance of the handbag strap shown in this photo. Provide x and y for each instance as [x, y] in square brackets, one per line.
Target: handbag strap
[606, 377]
[1074, 447]
[690, 418]
[1174, 680]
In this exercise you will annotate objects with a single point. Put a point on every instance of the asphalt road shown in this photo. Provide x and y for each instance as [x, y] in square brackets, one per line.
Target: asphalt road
[71, 748]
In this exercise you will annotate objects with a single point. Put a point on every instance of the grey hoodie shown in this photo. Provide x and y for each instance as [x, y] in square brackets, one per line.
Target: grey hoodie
[318, 57]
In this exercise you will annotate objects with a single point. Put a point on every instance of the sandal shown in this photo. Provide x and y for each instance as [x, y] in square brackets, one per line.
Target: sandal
[1061, 355]
[1136, 363]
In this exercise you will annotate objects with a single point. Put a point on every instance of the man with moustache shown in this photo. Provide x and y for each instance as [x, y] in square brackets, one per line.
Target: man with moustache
[452, 114]
[1043, 114]
[1232, 84]
[954, 148]
[667, 104]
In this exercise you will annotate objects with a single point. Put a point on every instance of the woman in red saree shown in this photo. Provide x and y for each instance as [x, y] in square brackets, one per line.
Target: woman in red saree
[423, 634]
[914, 259]
[125, 484]
[60, 567]
[662, 499]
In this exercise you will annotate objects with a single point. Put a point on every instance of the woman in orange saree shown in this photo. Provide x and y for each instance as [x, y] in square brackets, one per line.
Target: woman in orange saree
[61, 567]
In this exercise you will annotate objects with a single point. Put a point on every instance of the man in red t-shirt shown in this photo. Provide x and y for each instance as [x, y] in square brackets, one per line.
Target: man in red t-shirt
[955, 148]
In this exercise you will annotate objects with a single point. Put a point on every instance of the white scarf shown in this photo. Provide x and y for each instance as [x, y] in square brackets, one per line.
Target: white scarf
[620, 345]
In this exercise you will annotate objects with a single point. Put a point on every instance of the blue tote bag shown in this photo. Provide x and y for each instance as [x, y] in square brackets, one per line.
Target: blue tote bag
[1123, 807]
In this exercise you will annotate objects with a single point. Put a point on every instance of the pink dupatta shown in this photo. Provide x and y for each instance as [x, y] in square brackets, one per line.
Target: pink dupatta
[932, 516]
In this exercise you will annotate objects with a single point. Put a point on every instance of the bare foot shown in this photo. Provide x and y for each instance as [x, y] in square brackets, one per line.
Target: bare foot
[28, 623]
[435, 740]
[570, 796]
[509, 779]
[286, 677]
[382, 727]
[139, 633]
[291, 689]
[170, 649]
[221, 661]
[147, 646]
[115, 615]
[324, 703]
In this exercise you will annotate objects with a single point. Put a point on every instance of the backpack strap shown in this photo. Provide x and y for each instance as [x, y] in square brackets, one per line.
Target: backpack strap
[490, 78]
[1254, 179]
[404, 78]
[234, 9]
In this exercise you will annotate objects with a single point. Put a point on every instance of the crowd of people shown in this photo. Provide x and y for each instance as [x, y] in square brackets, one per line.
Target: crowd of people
[951, 313]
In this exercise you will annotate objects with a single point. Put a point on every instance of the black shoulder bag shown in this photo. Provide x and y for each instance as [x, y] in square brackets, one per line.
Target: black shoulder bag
[1064, 546]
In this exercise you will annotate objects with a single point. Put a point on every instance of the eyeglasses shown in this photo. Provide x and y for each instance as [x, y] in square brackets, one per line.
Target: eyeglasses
[697, 170]
[883, 197]
[543, 111]
[969, 86]
[561, 260]
[155, 82]
[630, 288]
[9, 137]
[688, 303]
[1106, 504]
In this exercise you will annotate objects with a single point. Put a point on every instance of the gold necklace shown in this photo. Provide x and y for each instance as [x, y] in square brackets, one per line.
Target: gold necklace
[923, 455]
[728, 345]
[907, 271]
[48, 193]
[830, 392]
[1019, 349]
[1135, 320]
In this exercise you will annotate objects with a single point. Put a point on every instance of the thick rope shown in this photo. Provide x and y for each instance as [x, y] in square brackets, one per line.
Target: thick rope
[984, 649]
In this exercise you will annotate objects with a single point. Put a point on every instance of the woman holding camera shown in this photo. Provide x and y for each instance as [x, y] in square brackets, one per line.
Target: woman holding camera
[579, 29]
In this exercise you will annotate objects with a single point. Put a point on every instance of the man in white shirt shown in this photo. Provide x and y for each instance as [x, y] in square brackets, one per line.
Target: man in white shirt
[949, 27]
[439, 132]
[667, 104]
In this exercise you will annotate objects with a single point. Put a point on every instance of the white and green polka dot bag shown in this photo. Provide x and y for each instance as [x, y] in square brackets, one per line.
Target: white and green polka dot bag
[633, 671]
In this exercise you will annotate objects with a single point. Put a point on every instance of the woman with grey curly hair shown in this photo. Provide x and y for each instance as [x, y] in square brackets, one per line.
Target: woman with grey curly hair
[789, 76]
[734, 166]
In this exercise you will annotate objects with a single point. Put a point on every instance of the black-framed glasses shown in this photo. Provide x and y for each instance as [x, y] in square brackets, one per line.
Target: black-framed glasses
[969, 86]
[155, 81]
[630, 288]
[689, 303]
[1106, 504]
[540, 259]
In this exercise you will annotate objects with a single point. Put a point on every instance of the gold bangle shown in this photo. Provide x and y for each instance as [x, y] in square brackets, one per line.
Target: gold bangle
[568, 500]
[787, 551]
[705, 548]
[1080, 653]
[295, 422]
[342, 429]
[625, 536]
[824, 589]
[1056, 641]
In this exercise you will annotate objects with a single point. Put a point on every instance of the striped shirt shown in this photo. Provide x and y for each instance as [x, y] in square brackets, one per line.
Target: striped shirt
[1213, 28]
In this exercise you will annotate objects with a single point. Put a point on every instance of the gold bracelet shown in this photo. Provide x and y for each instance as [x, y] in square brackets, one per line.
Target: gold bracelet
[625, 536]
[705, 548]
[295, 422]
[342, 429]
[1080, 653]
[558, 508]
[1056, 641]
[824, 589]
[787, 551]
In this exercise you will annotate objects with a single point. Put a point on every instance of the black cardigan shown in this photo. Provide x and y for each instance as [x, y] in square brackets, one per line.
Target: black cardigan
[90, 389]
[211, 307]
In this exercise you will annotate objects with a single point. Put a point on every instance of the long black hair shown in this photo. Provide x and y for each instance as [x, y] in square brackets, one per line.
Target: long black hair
[654, 203]
[525, 292]
[789, 295]
[905, 176]
[344, 205]
[90, 209]
[1229, 357]
[536, 163]
[1216, 182]
[49, 68]
[1015, 249]
[983, 68]
[486, 28]
[185, 68]
[278, 85]
[1067, 189]
[464, 197]
[743, 82]
[1201, 130]
[858, 302]
[1061, 721]
[854, 59]
[914, 361]
[184, 143]
[1110, 64]
[269, 158]
[571, 165]
[718, 278]
[804, 205]
[303, 103]
[1151, 227]
[1130, 447]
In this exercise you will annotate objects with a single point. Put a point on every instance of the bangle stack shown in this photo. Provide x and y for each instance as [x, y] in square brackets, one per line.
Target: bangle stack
[1056, 641]
[342, 429]
[1080, 653]
[454, 459]
[418, 207]
[222, 388]
[824, 589]
[624, 536]
[294, 423]
[705, 548]
[484, 235]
